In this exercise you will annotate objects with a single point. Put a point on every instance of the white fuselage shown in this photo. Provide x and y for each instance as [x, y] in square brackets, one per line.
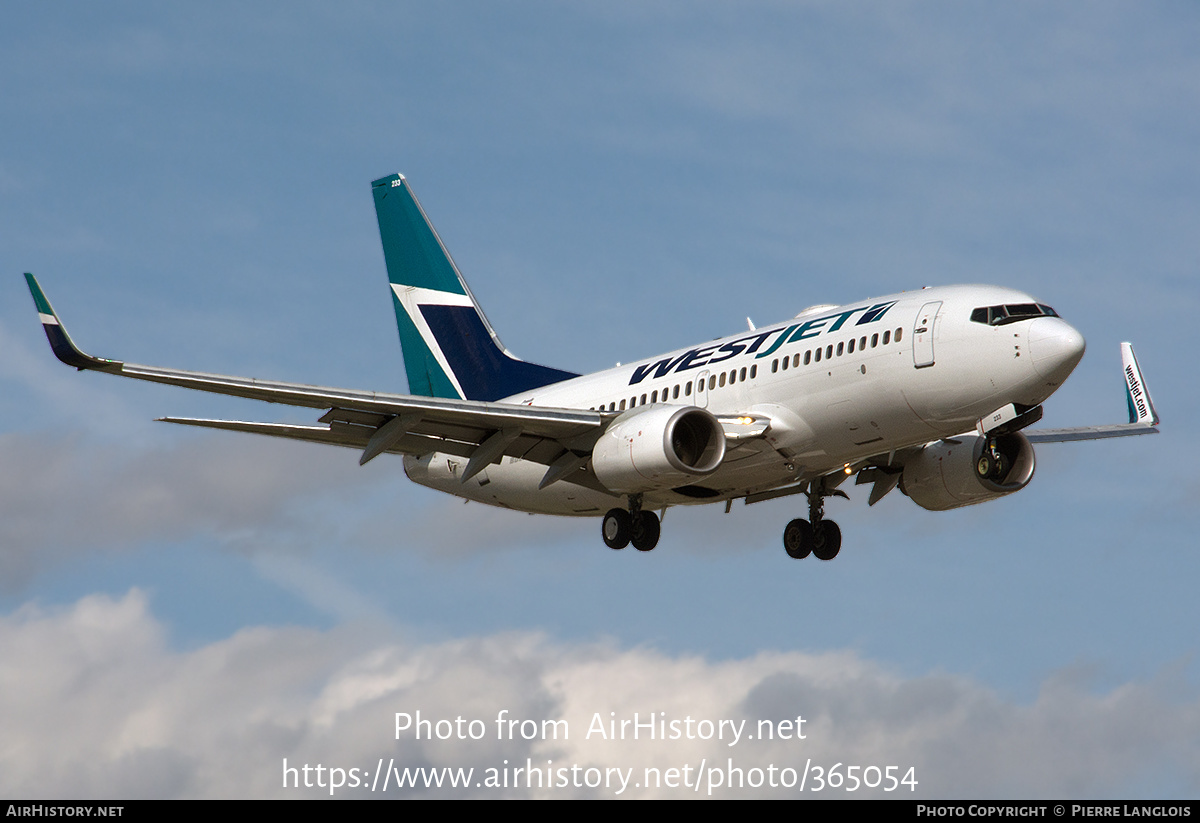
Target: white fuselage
[838, 384]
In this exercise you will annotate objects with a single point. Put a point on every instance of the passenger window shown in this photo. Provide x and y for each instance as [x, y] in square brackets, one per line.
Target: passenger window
[850, 347]
[742, 376]
[841, 348]
[654, 397]
[786, 362]
[887, 335]
[818, 355]
[898, 333]
[643, 399]
[774, 366]
[687, 389]
[862, 343]
[753, 372]
[808, 357]
[722, 379]
[874, 340]
[828, 351]
[796, 360]
[675, 392]
[622, 405]
[712, 382]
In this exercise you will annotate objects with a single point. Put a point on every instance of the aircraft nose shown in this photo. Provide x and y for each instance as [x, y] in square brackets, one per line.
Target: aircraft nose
[1056, 347]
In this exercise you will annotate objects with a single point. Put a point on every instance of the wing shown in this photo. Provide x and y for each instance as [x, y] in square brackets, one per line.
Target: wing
[376, 422]
[1143, 419]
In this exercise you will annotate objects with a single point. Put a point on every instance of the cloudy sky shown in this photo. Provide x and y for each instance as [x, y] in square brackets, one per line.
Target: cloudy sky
[183, 611]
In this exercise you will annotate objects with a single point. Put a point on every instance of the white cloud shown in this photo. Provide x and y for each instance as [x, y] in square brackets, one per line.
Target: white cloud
[94, 703]
[63, 494]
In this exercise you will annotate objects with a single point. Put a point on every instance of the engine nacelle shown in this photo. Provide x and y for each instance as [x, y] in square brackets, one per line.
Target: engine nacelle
[946, 475]
[658, 447]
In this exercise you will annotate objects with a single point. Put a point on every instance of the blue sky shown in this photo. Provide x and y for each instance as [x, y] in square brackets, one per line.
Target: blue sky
[181, 610]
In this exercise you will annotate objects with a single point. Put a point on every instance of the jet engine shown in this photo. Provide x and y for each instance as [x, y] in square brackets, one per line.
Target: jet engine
[968, 469]
[658, 447]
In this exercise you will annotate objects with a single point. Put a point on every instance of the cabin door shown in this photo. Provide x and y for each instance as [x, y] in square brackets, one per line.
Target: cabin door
[701, 395]
[923, 335]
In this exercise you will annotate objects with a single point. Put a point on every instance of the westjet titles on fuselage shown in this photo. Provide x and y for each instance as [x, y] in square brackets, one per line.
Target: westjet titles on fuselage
[695, 358]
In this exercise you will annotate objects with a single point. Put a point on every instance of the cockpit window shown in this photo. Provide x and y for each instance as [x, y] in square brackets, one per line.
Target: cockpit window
[1000, 315]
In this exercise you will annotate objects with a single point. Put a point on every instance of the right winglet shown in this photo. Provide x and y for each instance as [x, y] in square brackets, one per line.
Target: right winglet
[64, 348]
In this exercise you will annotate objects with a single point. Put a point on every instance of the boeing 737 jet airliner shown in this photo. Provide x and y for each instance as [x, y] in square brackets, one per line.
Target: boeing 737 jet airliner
[928, 390]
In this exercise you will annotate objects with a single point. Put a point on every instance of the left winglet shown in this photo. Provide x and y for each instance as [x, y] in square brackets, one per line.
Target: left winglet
[1141, 407]
[1143, 418]
[64, 348]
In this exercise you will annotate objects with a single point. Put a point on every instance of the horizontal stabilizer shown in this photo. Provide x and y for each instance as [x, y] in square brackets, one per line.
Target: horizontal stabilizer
[335, 434]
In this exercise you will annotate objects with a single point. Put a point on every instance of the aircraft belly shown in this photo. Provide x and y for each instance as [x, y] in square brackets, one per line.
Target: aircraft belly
[510, 484]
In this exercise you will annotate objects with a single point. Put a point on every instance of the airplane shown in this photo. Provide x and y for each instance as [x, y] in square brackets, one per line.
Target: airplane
[930, 391]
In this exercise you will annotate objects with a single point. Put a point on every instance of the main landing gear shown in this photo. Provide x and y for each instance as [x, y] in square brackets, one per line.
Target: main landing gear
[621, 527]
[816, 536]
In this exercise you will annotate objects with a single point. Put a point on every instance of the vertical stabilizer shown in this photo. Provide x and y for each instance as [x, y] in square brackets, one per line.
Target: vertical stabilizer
[450, 349]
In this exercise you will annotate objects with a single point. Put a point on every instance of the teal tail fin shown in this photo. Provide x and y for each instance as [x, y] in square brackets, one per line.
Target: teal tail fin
[450, 349]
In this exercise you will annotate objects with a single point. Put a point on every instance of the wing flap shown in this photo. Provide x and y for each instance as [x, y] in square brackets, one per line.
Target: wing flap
[336, 434]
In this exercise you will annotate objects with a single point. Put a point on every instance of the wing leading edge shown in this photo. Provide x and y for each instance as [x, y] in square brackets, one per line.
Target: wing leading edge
[374, 422]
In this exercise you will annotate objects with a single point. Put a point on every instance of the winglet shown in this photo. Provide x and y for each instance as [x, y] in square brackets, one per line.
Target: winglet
[1141, 407]
[64, 348]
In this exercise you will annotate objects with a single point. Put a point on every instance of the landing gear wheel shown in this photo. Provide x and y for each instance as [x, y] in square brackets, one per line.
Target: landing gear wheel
[1002, 467]
[617, 528]
[829, 542]
[985, 465]
[993, 464]
[798, 539]
[645, 531]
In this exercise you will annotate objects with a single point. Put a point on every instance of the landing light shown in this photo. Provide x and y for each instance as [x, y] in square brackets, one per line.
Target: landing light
[846, 468]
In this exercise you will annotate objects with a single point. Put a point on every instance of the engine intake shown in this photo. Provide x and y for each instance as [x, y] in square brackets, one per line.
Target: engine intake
[658, 447]
[961, 472]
